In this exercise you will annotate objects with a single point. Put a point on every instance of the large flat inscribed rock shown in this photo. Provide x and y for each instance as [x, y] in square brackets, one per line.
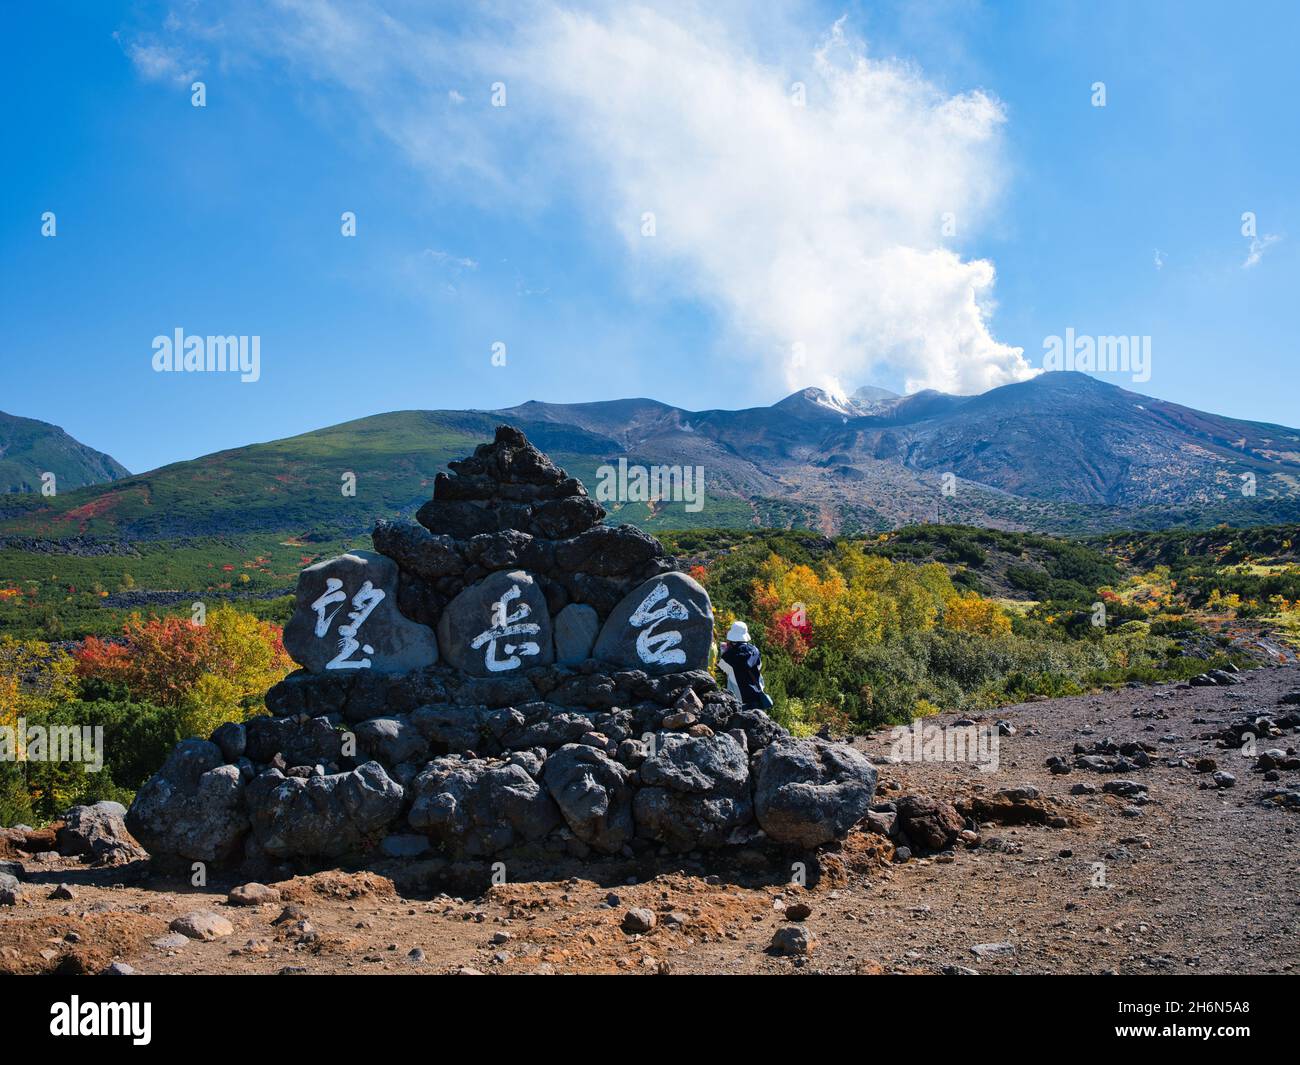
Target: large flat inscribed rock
[499, 625]
[663, 626]
[347, 619]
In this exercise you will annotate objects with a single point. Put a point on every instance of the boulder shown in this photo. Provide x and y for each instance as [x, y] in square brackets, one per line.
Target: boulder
[930, 823]
[476, 808]
[594, 794]
[192, 808]
[252, 894]
[99, 833]
[418, 551]
[665, 625]
[392, 740]
[793, 940]
[232, 738]
[202, 924]
[330, 816]
[638, 921]
[510, 549]
[613, 551]
[696, 791]
[810, 792]
[298, 741]
[499, 625]
[346, 619]
[559, 519]
[457, 518]
[576, 629]
[536, 724]
[450, 728]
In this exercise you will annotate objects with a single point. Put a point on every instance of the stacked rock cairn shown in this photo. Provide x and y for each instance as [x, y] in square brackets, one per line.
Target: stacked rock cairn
[505, 675]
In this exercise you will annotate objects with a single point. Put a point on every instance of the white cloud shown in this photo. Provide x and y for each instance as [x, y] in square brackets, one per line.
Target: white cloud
[160, 62]
[1258, 245]
[816, 226]
[446, 259]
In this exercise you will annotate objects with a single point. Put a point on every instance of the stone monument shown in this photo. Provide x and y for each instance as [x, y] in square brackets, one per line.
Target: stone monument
[505, 672]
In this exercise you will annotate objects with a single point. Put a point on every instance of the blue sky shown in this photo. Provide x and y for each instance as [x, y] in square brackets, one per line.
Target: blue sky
[792, 243]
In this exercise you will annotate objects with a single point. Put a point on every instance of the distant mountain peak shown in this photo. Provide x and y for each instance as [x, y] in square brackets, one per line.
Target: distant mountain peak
[1062, 451]
[817, 402]
[29, 449]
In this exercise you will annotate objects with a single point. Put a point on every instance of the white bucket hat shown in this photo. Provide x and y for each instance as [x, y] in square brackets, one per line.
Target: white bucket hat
[738, 633]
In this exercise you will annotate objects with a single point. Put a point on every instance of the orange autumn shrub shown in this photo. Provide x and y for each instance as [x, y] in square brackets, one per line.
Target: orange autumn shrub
[213, 672]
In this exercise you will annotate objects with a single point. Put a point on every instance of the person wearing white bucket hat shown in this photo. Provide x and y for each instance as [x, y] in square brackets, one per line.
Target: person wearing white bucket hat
[741, 661]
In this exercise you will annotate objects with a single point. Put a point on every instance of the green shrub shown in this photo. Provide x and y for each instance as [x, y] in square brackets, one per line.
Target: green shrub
[136, 740]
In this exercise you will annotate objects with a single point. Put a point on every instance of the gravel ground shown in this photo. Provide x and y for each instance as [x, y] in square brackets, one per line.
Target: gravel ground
[1198, 879]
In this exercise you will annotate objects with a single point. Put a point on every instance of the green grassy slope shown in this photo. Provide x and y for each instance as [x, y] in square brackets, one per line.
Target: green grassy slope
[30, 448]
[295, 485]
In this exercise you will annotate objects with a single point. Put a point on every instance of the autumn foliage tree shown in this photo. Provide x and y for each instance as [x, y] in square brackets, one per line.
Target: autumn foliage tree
[972, 613]
[853, 600]
[843, 638]
[35, 679]
[213, 672]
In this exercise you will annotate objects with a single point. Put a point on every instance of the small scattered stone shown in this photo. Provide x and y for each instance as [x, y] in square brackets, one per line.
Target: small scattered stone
[639, 920]
[993, 950]
[62, 892]
[202, 924]
[252, 894]
[171, 941]
[793, 940]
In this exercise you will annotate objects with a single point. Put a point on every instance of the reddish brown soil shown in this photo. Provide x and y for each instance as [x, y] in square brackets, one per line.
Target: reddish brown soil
[1203, 880]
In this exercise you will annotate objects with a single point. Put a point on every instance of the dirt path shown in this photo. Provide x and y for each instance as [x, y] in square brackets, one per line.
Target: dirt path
[1199, 879]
